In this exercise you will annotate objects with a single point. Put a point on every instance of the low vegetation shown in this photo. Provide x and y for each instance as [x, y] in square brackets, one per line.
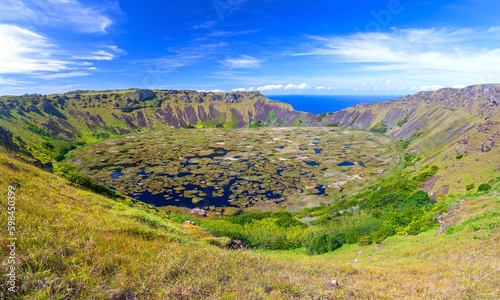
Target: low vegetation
[76, 244]
[303, 206]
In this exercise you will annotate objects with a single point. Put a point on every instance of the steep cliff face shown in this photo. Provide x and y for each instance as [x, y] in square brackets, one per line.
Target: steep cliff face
[455, 129]
[423, 111]
[83, 116]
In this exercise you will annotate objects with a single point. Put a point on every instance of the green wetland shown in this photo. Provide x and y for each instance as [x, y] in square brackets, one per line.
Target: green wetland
[244, 169]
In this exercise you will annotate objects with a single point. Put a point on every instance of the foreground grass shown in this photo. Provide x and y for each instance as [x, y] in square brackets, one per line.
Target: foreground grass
[73, 244]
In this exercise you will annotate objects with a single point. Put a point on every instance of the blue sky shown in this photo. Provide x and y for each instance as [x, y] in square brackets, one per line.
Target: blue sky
[391, 47]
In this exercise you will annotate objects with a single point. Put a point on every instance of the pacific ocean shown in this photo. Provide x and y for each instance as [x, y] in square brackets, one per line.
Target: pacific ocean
[328, 103]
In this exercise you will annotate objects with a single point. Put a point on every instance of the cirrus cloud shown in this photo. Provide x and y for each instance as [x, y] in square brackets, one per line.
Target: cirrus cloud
[243, 61]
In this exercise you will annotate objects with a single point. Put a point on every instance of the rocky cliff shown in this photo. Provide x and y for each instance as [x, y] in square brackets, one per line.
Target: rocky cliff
[455, 129]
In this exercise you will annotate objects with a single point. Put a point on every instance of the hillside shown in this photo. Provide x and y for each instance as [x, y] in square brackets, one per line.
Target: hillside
[73, 244]
[81, 117]
[454, 129]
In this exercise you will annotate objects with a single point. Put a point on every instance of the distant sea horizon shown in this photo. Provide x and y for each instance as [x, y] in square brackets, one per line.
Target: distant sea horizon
[329, 103]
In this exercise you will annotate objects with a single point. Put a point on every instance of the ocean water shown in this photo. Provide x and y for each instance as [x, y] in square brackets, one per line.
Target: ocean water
[328, 103]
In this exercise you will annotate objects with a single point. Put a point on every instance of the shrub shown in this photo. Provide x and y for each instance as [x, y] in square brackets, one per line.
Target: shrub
[325, 242]
[470, 186]
[83, 181]
[101, 135]
[380, 128]
[388, 228]
[402, 121]
[459, 156]
[418, 199]
[256, 124]
[47, 145]
[483, 187]
[425, 174]
[415, 227]
[190, 126]
[320, 117]
[221, 242]
[288, 221]
[352, 236]
[364, 240]
[405, 144]
[272, 117]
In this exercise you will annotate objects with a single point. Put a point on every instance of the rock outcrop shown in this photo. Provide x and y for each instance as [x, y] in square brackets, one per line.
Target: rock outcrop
[145, 94]
[6, 138]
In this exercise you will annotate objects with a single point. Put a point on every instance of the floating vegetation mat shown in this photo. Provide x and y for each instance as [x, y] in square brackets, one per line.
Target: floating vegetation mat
[263, 168]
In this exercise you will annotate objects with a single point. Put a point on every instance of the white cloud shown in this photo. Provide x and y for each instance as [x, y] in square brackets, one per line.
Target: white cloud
[63, 75]
[8, 81]
[109, 54]
[270, 87]
[239, 90]
[243, 61]
[28, 53]
[323, 88]
[211, 91]
[58, 13]
[433, 87]
[296, 86]
[24, 51]
[250, 89]
[422, 56]
[289, 87]
[205, 25]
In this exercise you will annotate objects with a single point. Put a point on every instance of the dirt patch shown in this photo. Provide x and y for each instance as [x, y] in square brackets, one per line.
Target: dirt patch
[430, 183]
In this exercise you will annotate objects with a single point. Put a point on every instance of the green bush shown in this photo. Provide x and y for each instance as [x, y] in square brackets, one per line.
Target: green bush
[459, 156]
[47, 145]
[321, 117]
[256, 124]
[418, 199]
[353, 235]
[101, 135]
[387, 229]
[288, 221]
[470, 186]
[364, 240]
[415, 227]
[380, 128]
[83, 181]
[425, 174]
[402, 121]
[325, 242]
[248, 218]
[483, 187]
[221, 242]
[272, 117]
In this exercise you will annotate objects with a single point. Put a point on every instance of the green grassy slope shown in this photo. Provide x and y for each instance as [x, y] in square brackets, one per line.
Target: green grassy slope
[75, 244]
